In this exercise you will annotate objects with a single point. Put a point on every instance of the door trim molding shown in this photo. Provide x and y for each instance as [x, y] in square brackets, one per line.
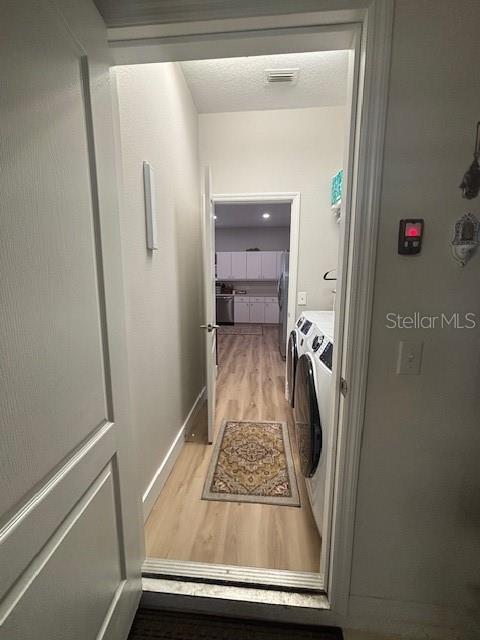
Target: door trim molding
[161, 474]
[294, 199]
[365, 164]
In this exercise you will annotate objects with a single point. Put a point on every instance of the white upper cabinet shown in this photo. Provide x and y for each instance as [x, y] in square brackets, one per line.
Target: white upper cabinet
[239, 265]
[254, 265]
[248, 265]
[224, 265]
[269, 265]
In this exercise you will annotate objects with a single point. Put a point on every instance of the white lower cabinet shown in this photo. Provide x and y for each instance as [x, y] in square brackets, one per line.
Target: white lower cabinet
[256, 309]
[271, 312]
[242, 311]
[257, 312]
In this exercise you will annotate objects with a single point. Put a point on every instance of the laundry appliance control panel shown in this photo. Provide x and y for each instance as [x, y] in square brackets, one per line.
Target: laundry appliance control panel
[307, 325]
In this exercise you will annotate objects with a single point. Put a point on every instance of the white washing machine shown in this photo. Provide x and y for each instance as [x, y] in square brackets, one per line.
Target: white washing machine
[312, 407]
[297, 345]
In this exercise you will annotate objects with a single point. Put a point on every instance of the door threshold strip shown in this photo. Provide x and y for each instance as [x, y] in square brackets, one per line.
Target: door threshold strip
[277, 579]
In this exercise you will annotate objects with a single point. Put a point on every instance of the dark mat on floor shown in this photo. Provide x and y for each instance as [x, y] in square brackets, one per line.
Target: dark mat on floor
[152, 624]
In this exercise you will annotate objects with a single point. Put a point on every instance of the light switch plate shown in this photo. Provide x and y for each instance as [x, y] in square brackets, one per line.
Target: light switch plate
[302, 298]
[409, 360]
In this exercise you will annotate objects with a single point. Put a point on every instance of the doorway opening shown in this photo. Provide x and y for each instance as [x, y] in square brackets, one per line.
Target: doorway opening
[282, 41]
[250, 501]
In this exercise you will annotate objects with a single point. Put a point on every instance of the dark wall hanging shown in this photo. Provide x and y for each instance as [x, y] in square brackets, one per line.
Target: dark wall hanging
[470, 184]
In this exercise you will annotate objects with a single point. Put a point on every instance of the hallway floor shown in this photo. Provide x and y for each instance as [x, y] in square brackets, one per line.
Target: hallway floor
[182, 526]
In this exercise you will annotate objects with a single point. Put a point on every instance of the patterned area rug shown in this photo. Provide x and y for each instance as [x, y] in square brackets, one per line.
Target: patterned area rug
[154, 625]
[252, 462]
[240, 330]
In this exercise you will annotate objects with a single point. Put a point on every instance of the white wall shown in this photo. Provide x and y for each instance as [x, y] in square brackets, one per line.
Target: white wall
[285, 150]
[417, 535]
[158, 123]
[243, 238]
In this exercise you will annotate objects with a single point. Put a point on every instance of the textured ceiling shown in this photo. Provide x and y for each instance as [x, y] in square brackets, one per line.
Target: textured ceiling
[238, 84]
[250, 215]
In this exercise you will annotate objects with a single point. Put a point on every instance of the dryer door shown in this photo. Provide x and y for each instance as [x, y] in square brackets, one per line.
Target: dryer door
[292, 359]
[308, 427]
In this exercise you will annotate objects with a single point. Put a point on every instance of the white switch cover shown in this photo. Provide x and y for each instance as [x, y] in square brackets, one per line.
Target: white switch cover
[302, 298]
[409, 358]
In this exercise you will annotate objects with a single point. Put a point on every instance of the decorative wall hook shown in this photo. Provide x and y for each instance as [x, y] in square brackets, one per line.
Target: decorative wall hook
[326, 275]
[470, 184]
[466, 238]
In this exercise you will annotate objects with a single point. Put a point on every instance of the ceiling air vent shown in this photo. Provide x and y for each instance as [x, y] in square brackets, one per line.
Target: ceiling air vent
[281, 76]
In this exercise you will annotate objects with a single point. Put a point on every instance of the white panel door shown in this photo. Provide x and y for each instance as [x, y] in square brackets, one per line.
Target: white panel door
[271, 312]
[224, 265]
[257, 312]
[209, 326]
[269, 265]
[242, 312]
[254, 265]
[70, 509]
[239, 265]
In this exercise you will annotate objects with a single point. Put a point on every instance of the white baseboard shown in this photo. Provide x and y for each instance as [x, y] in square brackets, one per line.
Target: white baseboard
[161, 474]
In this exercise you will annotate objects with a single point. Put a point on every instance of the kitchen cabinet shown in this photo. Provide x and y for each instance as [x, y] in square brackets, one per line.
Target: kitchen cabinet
[269, 265]
[249, 265]
[241, 311]
[239, 265]
[257, 312]
[271, 312]
[256, 309]
[224, 265]
[254, 265]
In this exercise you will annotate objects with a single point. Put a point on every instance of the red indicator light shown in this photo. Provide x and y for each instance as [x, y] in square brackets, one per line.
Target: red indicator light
[413, 230]
[410, 236]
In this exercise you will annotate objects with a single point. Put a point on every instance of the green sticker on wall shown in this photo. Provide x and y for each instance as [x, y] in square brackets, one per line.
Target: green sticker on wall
[337, 187]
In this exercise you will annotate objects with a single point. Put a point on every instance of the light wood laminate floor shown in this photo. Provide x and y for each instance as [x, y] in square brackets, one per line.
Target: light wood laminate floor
[182, 526]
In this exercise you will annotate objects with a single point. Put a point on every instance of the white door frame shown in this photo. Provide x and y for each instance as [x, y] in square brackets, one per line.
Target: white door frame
[370, 23]
[292, 198]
